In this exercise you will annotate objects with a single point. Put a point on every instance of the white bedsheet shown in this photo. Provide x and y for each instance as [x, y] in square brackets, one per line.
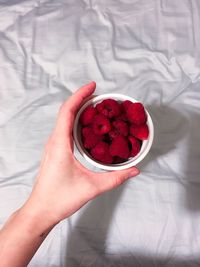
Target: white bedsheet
[148, 49]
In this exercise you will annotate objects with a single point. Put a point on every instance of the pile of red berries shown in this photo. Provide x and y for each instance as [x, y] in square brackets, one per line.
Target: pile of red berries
[113, 131]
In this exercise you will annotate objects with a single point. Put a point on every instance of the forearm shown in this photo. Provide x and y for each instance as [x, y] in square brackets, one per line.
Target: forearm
[21, 236]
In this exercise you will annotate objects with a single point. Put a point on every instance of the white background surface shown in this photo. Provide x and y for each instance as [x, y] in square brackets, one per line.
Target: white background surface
[149, 50]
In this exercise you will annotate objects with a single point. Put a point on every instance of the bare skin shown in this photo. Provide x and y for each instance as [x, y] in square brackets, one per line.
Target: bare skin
[62, 187]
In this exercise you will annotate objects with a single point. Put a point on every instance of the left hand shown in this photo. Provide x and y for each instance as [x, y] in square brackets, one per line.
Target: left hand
[63, 185]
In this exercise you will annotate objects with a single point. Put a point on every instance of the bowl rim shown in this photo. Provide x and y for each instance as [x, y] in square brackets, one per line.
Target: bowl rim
[121, 166]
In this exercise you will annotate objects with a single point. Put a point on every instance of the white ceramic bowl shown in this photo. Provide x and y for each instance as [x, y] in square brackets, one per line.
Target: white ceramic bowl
[146, 144]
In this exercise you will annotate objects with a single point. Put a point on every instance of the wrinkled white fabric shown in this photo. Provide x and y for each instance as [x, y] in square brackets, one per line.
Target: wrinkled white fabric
[148, 49]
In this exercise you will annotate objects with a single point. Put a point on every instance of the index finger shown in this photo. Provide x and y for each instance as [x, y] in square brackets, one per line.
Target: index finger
[68, 110]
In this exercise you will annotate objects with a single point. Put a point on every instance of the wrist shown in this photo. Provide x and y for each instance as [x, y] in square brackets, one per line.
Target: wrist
[22, 235]
[38, 219]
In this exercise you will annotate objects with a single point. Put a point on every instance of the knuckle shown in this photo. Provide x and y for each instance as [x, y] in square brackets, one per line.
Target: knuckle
[118, 181]
[49, 144]
[61, 108]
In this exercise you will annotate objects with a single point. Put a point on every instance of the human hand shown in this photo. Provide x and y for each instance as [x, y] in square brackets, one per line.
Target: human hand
[63, 184]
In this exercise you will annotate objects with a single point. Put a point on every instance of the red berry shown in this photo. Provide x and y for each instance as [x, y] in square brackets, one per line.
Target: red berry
[109, 108]
[123, 117]
[125, 104]
[113, 133]
[101, 125]
[117, 160]
[107, 159]
[136, 113]
[89, 138]
[87, 115]
[135, 146]
[101, 152]
[140, 131]
[121, 127]
[119, 147]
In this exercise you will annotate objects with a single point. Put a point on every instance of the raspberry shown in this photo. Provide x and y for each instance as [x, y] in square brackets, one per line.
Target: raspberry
[122, 117]
[140, 131]
[119, 147]
[89, 138]
[134, 145]
[113, 133]
[117, 160]
[125, 104]
[85, 131]
[109, 108]
[101, 125]
[87, 115]
[121, 127]
[136, 113]
[101, 152]
[107, 159]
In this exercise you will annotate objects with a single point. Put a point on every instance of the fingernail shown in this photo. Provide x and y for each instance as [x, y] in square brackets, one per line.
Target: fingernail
[91, 83]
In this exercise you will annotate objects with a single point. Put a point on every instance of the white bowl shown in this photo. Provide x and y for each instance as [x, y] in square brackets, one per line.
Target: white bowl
[146, 144]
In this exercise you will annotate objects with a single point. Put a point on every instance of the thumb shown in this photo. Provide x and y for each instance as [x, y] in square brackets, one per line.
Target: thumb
[113, 179]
